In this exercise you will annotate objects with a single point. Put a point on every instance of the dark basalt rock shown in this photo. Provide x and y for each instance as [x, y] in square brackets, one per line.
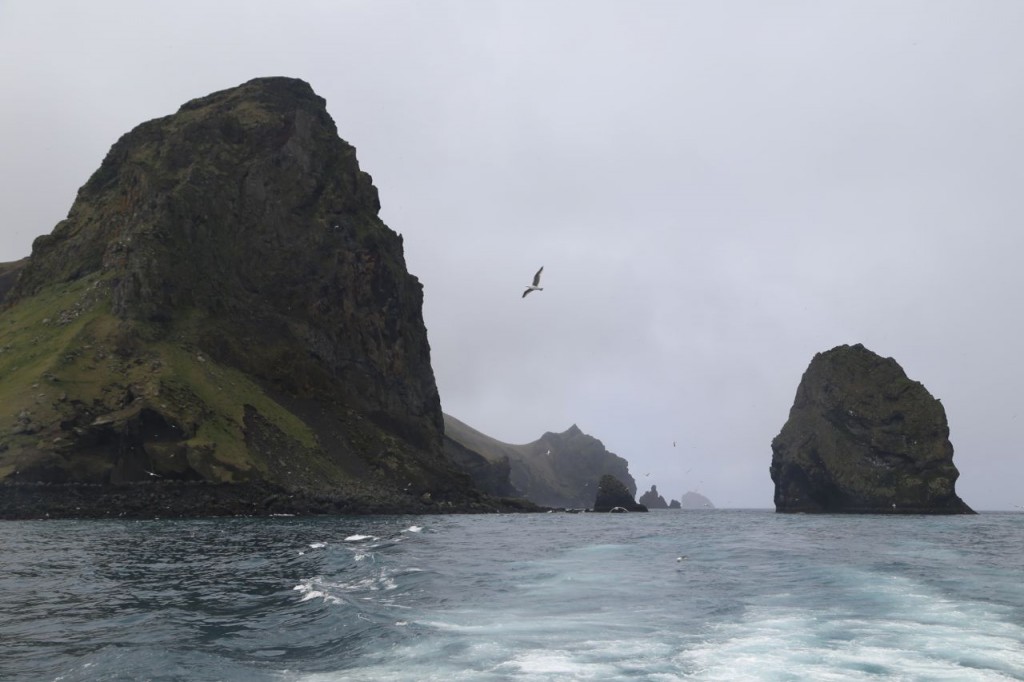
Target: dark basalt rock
[863, 438]
[224, 306]
[652, 500]
[612, 493]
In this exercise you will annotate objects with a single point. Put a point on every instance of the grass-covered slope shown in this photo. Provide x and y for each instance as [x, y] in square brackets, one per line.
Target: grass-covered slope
[224, 305]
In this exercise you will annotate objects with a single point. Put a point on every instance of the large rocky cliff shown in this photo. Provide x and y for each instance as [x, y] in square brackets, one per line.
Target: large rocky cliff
[224, 306]
[862, 437]
[556, 470]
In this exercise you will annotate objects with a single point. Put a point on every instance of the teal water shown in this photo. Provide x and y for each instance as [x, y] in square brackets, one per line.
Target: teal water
[672, 595]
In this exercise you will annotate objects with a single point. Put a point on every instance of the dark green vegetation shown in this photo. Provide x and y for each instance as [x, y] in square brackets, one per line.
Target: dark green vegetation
[222, 324]
[557, 470]
[862, 437]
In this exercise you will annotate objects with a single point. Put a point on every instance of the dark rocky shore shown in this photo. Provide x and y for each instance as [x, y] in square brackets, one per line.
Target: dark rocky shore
[173, 499]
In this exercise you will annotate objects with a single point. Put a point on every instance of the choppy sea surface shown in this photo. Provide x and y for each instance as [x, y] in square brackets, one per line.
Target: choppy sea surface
[670, 595]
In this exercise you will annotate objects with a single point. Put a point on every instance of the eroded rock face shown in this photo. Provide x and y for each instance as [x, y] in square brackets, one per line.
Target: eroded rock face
[612, 493]
[862, 437]
[652, 500]
[224, 305]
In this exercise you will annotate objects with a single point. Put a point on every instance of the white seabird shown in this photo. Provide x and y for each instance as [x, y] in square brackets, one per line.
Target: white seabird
[536, 283]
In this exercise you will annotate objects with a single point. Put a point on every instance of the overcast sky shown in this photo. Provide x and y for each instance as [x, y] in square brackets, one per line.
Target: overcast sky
[716, 190]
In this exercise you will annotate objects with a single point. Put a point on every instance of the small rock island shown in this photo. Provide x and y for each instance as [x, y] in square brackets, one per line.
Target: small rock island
[652, 499]
[863, 438]
[613, 495]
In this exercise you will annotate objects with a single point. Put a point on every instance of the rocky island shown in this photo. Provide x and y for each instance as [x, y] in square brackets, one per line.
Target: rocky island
[694, 500]
[223, 325]
[614, 496]
[863, 438]
[653, 500]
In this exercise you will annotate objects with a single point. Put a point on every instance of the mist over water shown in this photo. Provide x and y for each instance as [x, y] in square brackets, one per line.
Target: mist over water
[702, 595]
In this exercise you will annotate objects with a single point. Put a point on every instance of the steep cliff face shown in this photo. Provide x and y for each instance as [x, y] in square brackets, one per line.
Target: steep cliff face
[862, 437]
[223, 304]
[556, 470]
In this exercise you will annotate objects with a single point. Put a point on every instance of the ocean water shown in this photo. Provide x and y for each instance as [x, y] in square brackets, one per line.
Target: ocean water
[671, 595]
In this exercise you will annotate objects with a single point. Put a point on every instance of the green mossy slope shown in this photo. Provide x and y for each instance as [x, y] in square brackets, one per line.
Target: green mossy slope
[224, 306]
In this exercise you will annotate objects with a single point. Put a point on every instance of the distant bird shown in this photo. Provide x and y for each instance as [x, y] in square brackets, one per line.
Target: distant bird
[536, 283]
[673, 443]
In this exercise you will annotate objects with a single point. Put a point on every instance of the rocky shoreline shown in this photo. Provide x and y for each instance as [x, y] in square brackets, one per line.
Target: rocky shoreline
[174, 499]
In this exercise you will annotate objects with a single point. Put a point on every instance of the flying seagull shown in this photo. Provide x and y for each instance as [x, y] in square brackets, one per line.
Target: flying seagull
[536, 282]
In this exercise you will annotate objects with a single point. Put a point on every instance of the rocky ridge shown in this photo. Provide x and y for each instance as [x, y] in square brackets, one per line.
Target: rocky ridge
[557, 470]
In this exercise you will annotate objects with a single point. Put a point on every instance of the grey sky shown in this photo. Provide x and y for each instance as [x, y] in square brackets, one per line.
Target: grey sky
[717, 191]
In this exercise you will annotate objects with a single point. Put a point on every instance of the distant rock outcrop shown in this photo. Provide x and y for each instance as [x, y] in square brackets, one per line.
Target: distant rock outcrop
[863, 438]
[557, 470]
[692, 500]
[613, 494]
[490, 476]
[222, 307]
[652, 500]
[674, 504]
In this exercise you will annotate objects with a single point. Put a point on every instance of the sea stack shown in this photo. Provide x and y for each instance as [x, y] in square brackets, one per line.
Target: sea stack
[863, 438]
[653, 500]
[613, 495]
[222, 324]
